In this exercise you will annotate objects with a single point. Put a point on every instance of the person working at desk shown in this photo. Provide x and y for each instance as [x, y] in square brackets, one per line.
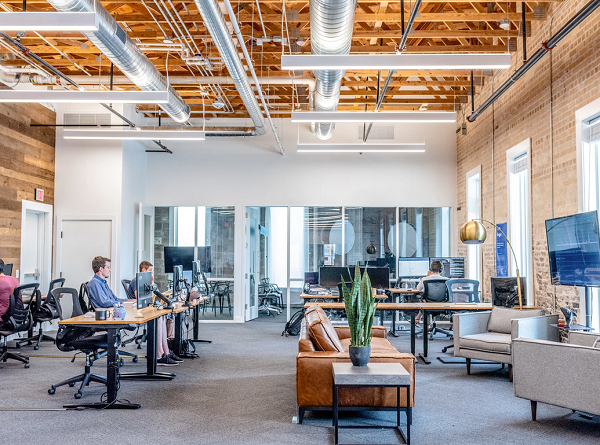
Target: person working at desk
[434, 273]
[7, 287]
[102, 296]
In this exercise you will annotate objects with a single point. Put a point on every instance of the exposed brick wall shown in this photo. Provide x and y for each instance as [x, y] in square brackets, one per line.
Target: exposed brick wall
[562, 82]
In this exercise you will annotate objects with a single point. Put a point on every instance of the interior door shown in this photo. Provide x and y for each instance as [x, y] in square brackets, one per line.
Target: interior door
[81, 241]
[253, 262]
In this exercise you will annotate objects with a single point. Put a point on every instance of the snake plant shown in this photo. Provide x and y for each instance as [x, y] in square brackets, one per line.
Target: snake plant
[360, 308]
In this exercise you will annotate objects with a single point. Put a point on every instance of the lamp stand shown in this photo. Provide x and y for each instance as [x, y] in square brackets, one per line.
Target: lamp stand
[519, 290]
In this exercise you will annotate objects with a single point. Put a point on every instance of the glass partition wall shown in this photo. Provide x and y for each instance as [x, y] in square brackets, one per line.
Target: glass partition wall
[205, 234]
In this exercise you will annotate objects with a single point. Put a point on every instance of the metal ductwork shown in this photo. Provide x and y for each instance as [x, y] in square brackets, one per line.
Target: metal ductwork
[125, 55]
[223, 40]
[331, 24]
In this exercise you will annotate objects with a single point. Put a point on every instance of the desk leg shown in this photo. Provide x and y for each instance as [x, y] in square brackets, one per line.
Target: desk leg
[150, 373]
[112, 373]
[425, 339]
[197, 326]
[335, 413]
[177, 339]
[413, 331]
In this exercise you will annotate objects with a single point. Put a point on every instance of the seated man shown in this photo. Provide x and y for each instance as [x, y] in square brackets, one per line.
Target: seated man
[7, 287]
[102, 296]
[434, 273]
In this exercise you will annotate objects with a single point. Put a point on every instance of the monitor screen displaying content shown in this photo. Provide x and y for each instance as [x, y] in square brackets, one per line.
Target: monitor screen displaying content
[330, 276]
[574, 249]
[413, 267]
[177, 281]
[311, 277]
[144, 289]
[183, 256]
[452, 267]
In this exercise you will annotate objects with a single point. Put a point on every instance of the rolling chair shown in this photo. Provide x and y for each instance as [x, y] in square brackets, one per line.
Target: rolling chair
[125, 284]
[84, 300]
[86, 340]
[462, 290]
[435, 291]
[42, 311]
[17, 319]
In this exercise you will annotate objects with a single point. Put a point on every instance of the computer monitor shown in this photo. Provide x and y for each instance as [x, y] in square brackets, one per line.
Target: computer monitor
[504, 291]
[8, 269]
[144, 289]
[330, 276]
[452, 267]
[183, 256]
[311, 278]
[177, 281]
[379, 276]
[203, 256]
[413, 267]
[196, 273]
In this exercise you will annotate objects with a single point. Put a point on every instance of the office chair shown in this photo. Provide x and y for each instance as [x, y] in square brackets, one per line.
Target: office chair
[42, 311]
[462, 290]
[125, 284]
[85, 303]
[208, 292]
[17, 319]
[435, 291]
[86, 340]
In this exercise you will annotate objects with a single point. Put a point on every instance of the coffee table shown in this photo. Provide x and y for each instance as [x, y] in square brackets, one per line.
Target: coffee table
[374, 374]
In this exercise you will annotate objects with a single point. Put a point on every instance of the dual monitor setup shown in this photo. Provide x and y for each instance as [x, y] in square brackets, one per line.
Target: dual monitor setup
[452, 267]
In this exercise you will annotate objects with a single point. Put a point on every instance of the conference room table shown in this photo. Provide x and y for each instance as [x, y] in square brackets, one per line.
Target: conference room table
[413, 309]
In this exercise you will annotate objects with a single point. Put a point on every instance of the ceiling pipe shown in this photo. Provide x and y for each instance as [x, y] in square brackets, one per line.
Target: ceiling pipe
[121, 50]
[331, 25]
[547, 46]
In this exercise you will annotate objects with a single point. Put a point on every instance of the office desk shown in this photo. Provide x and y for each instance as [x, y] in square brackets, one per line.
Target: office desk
[397, 293]
[333, 297]
[178, 309]
[413, 309]
[147, 315]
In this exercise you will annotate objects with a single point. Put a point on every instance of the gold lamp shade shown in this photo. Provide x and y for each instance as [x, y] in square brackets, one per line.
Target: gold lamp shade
[473, 232]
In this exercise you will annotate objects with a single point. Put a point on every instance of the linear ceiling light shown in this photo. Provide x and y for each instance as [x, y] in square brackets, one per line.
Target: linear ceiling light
[133, 135]
[370, 116]
[48, 21]
[396, 61]
[356, 148]
[82, 97]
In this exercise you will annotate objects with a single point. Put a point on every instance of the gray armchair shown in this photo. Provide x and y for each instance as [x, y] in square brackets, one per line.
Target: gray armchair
[561, 374]
[489, 335]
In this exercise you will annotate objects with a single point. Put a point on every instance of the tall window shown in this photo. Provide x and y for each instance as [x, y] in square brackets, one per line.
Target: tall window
[519, 210]
[590, 163]
[474, 212]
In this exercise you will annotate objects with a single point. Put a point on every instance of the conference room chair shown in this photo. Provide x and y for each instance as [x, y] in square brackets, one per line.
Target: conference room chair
[462, 290]
[42, 311]
[72, 338]
[17, 319]
[435, 291]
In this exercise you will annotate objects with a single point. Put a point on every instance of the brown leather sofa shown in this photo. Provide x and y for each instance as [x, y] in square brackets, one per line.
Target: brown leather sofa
[320, 345]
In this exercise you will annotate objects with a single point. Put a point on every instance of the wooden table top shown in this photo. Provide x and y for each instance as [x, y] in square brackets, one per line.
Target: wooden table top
[146, 314]
[415, 306]
[333, 297]
[403, 291]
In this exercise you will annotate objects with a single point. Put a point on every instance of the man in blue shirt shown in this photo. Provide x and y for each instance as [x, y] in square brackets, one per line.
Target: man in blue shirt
[99, 292]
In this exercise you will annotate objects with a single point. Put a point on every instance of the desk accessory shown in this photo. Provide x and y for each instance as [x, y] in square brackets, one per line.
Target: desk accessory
[100, 314]
[161, 297]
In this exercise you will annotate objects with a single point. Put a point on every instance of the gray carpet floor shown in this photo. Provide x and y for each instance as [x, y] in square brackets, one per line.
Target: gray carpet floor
[242, 391]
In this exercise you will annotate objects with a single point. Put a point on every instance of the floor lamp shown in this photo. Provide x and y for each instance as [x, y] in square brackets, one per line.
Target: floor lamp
[473, 232]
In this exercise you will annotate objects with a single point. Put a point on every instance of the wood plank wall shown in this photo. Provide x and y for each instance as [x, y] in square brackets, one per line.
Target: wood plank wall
[26, 163]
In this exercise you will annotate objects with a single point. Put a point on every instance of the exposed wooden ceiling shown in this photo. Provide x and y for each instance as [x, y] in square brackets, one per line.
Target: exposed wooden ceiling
[449, 26]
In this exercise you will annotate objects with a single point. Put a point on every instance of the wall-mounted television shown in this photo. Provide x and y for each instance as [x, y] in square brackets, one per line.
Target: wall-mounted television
[574, 249]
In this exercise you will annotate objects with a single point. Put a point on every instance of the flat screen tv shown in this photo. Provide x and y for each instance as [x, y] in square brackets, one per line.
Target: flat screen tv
[183, 256]
[574, 249]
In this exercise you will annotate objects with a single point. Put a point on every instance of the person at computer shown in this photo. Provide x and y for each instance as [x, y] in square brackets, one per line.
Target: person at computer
[434, 273]
[101, 295]
[7, 287]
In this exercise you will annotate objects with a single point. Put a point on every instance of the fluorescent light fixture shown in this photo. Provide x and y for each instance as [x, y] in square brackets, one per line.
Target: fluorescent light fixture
[370, 116]
[133, 135]
[83, 97]
[358, 148]
[396, 61]
[48, 21]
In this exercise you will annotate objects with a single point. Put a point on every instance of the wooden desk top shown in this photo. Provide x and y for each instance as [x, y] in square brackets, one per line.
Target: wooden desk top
[147, 314]
[333, 297]
[415, 306]
[403, 291]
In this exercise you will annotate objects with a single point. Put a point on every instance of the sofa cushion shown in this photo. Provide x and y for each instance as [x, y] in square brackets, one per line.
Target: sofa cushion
[500, 318]
[322, 332]
[488, 342]
[378, 346]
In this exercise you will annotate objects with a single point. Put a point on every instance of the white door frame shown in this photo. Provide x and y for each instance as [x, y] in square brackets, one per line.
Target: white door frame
[115, 275]
[46, 268]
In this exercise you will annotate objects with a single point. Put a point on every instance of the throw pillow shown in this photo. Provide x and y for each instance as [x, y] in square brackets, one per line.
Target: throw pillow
[501, 317]
[321, 331]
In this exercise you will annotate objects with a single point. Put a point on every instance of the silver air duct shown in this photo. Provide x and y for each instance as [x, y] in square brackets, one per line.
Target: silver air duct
[120, 49]
[217, 28]
[331, 24]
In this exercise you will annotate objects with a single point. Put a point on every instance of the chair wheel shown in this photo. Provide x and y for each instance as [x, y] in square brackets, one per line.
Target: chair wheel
[78, 395]
[444, 349]
[36, 347]
[51, 390]
[26, 365]
[71, 384]
[134, 359]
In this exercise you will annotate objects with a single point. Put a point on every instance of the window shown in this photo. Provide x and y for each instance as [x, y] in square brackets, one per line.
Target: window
[519, 211]
[590, 163]
[474, 212]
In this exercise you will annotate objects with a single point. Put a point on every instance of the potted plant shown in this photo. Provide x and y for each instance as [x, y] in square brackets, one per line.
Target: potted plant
[360, 310]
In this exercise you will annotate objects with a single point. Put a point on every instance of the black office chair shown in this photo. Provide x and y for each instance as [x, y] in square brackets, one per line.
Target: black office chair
[462, 290]
[208, 293]
[125, 284]
[17, 319]
[42, 311]
[435, 291]
[71, 338]
[85, 303]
